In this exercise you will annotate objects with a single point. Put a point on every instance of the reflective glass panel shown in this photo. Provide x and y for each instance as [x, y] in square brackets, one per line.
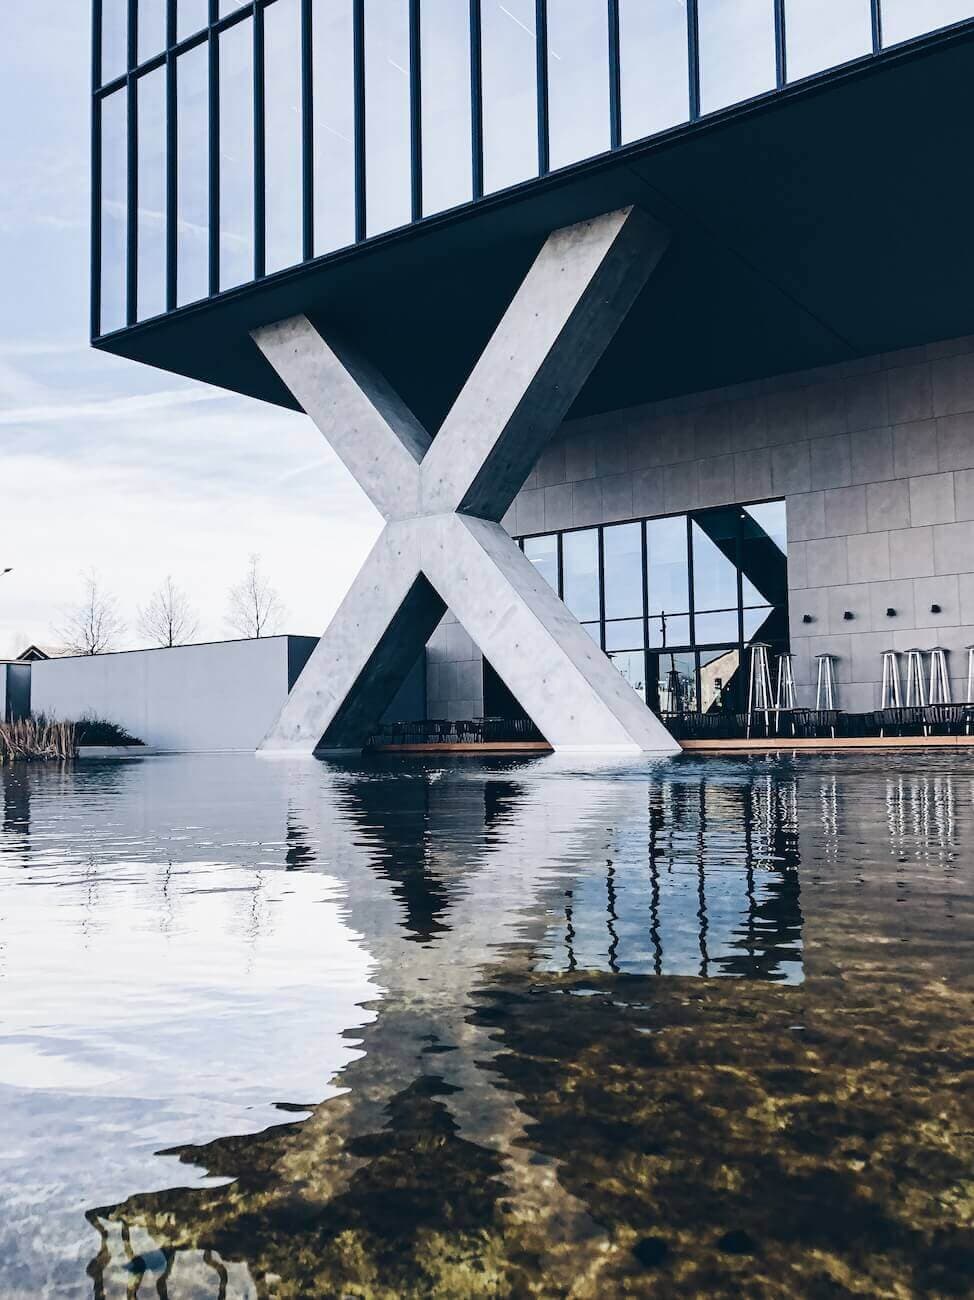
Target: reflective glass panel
[114, 38]
[905, 18]
[669, 629]
[772, 518]
[673, 682]
[191, 16]
[151, 246]
[714, 574]
[236, 154]
[114, 209]
[719, 680]
[758, 623]
[228, 7]
[764, 568]
[624, 634]
[510, 92]
[578, 80]
[387, 156]
[445, 60]
[822, 33]
[667, 567]
[653, 66]
[192, 175]
[623, 570]
[718, 626]
[152, 28]
[632, 665]
[543, 554]
[580, 573]
[283, 135]
[737, 53]
[334, 125]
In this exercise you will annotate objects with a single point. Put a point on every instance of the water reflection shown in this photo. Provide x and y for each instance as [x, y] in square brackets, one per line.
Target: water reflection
[501, 1028]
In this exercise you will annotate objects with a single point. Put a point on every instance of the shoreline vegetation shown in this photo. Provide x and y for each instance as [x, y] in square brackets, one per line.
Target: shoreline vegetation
[42, 739]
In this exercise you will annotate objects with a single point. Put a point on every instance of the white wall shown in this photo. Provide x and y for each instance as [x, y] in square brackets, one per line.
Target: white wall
[220, 696]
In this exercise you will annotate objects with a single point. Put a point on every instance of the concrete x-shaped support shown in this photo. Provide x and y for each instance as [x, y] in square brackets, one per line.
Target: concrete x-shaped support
[442, 499]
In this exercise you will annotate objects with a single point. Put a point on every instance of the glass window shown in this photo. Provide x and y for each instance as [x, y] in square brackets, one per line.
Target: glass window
[445, 62]
[905, 18]
[334, 125]
[283, 208]
[510, 92]
[191, 16]
[192, 175]
[719, 680]
[667, 567]
[152, 28]
[718, 626]
[737, 51]
[624, 634]
[764, 569]
[151, 246]
[229, 6]
[672, 683]
[714, 572]
[114, 39]
[236, 154]
[623, 570]
[653, 66]
[632, 665]
[543, 554]
[114, 210]
[756, 623]
[594, 631]
[387, 134]
[822, 33]
[578, 80]
[580, 573]
[669, 629]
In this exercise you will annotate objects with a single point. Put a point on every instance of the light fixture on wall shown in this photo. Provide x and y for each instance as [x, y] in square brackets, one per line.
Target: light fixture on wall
[891, 612]
[935, 609]
[848, 615]
[807, 618]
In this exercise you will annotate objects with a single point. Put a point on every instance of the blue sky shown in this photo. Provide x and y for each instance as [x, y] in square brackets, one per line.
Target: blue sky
[115, 467]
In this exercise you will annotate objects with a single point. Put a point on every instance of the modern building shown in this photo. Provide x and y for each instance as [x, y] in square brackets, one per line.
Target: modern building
[682, 290]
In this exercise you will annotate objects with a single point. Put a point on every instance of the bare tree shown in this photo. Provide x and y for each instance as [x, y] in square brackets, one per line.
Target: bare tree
[168, 619]
[94, 625]
[255, 609]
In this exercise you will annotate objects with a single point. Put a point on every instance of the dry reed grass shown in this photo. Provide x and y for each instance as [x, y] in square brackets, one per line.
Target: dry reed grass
[37, 739]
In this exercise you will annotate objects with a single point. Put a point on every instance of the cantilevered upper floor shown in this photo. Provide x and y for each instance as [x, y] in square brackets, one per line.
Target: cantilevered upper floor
[394, 164]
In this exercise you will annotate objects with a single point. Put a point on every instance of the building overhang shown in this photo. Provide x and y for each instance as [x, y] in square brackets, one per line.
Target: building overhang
[822, 223]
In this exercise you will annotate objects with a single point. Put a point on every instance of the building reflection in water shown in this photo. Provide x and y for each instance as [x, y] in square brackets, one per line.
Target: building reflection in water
[490, 1133]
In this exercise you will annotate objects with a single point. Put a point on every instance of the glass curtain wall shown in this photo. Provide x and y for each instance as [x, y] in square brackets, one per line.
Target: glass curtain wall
[395, 131]
[675, 602]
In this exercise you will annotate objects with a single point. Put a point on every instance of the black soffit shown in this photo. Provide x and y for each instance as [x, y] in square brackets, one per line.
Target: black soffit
[826, 223]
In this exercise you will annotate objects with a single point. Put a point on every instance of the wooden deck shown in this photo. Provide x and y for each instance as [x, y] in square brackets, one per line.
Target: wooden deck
[775, 745]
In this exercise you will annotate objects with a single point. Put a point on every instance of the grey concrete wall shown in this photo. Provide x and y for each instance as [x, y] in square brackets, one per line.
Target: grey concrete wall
[876, 461]
[221, 696]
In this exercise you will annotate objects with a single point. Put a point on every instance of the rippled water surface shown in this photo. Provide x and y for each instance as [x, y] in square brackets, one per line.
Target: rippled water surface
[487, 1028]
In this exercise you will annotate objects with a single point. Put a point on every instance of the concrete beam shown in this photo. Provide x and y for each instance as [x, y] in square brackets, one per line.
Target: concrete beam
[442, 544]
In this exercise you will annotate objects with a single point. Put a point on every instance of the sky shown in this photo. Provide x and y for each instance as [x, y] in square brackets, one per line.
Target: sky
[111, 467]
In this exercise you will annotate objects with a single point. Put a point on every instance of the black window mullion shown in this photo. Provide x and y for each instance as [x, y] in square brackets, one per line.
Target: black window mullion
[358, 77]
[132, 59]
[561, 566]
[780, 52]
[877, 25]
[476, 101]
[415, 110]
[132, 195]
[693, 57]
[96, 39]
[615, 77]
[690, 584]
[260, 209]
[214, 156]
[96, 189]
[601, 556]
[307, 131]
[541, 50]
[171, 162]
